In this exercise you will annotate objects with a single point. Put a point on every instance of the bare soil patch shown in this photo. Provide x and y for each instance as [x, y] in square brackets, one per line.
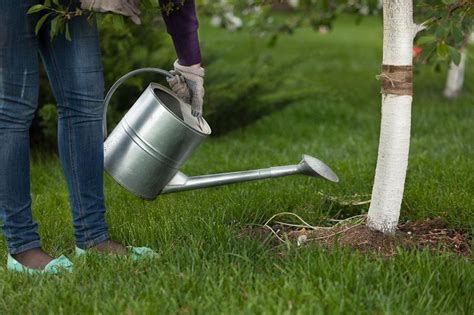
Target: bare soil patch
[428, 234]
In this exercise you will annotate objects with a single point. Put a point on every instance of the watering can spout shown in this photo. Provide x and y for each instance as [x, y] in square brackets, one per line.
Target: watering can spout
[309, 166]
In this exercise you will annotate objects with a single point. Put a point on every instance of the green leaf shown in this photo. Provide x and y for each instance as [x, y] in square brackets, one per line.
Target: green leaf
[437, 66]
[457, 34]
[273, 40]
[442, 50]
[470, 12]
[148, 4]
[428, 23]
[427, 52]
[41, 22]
[442, 31]
[66, 33]
[55, 26]
[426, 39]
[454, 54]
[36, 8]
[118, 22]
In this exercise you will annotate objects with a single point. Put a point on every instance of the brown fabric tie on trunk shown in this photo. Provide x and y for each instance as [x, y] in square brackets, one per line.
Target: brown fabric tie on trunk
[396, 80]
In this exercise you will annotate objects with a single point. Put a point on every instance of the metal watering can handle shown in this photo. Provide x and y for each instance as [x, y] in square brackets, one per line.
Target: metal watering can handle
[119, 82]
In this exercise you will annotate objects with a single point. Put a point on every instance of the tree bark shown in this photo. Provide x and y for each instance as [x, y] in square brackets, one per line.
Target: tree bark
[455, 77]
[394, 143]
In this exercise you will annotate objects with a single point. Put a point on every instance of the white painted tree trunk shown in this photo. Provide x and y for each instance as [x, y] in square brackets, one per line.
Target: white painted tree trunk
[394, 143]
[455, 77]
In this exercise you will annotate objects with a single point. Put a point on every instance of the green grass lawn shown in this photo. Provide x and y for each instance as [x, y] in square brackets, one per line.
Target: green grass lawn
[206, 268]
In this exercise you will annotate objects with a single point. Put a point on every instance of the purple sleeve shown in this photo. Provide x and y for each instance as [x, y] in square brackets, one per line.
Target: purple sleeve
[182, 25]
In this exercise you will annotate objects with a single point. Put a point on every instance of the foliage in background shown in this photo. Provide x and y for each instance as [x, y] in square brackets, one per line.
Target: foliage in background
[259, 15]
[249, 89]
[60, 12]
[449, 25]
[125, 47]
[448, 22]
[237, 95]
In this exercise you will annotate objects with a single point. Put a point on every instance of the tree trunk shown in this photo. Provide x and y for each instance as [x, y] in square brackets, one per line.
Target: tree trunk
[394, 143]
[455, 77]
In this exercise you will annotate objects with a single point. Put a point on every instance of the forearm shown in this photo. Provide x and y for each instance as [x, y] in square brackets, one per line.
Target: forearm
[182, 24]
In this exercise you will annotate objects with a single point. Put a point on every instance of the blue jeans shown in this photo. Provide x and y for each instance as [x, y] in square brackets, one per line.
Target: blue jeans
[75, 73]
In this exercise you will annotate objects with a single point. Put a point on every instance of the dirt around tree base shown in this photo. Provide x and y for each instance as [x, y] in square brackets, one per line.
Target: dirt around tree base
[429, 234]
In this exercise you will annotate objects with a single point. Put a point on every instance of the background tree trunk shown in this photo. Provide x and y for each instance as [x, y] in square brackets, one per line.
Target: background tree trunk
[392, 159]
[455, 77]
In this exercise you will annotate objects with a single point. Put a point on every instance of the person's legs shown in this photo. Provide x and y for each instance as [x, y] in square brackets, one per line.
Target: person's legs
[75, 72]
[18, 102]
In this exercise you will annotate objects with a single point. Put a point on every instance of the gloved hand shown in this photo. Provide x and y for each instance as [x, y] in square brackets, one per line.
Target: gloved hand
[128, 8]
[188, 84]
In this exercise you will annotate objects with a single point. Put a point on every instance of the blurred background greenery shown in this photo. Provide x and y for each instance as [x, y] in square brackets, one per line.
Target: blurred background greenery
[243, 88]
[247, 75]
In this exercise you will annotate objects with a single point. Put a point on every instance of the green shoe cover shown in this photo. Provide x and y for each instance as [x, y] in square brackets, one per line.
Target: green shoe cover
[80, 252]
[136, 253]
[53, 267]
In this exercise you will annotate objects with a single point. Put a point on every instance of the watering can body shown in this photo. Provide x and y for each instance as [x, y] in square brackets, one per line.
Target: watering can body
[158, 134]
[152, 141]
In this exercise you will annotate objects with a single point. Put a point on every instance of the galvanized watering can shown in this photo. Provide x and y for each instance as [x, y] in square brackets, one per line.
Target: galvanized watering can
[158, 134]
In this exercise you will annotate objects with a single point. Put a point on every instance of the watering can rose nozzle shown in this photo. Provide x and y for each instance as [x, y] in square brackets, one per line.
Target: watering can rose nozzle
[313, 167]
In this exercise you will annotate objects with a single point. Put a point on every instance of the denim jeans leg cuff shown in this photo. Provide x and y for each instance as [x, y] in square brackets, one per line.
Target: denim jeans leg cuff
[95, 241]
[23, 248]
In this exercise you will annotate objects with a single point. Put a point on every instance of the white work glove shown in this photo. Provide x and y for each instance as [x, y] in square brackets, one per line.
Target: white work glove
[128, 8]
[188, 84]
